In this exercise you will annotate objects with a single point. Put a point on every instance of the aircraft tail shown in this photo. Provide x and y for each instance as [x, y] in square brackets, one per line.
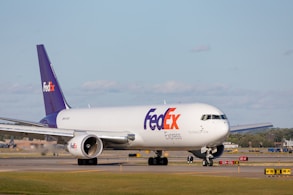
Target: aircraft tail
[53, 97]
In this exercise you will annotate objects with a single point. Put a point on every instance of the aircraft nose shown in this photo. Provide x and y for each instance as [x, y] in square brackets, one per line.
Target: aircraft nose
[221, 130]
[224, 129]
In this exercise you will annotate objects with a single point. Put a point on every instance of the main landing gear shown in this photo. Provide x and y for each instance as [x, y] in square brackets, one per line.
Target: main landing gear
[158, 160]
[92, 161]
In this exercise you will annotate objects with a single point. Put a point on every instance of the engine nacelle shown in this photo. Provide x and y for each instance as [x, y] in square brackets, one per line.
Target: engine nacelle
[85, 146]
[216, 152]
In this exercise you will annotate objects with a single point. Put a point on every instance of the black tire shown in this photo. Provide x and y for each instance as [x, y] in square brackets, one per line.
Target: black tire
[164, 161]
[92, 161]
[151, 161]
[80, 161]
[211, 163]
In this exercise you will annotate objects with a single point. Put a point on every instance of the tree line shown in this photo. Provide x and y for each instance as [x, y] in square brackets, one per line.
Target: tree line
[267, 138]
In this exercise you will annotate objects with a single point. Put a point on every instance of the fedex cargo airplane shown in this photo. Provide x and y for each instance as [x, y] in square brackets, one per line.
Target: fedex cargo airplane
[198, 128]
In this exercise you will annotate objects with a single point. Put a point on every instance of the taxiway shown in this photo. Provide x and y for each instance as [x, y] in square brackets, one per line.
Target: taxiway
[120, 162]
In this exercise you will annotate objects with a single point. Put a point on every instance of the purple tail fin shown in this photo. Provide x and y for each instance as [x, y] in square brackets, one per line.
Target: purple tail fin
[52, 93]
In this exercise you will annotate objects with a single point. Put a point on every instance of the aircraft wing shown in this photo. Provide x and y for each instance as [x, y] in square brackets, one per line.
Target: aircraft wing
[249, 128]
[35, 132]
[65, 134]
[23, 122]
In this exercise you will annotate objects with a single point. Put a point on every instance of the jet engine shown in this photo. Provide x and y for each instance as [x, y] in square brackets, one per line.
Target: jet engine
[85, 146]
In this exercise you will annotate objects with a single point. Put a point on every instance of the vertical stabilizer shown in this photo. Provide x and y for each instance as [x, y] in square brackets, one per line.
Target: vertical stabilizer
[53, 97]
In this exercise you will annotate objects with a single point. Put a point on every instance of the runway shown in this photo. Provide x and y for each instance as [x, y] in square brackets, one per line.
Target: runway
[254, 168]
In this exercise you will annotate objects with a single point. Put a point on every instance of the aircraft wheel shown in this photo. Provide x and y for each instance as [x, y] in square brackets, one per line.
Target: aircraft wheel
[81, 161]
[92, 161]
[211, 163]
[151, 161]
[164, 161]
[158, 161]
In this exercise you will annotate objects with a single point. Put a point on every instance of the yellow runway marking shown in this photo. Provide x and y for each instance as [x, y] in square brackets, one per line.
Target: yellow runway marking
[7, 170]
[85, 171]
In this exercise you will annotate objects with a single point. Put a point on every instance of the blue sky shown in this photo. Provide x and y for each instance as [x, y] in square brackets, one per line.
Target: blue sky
[236, 55]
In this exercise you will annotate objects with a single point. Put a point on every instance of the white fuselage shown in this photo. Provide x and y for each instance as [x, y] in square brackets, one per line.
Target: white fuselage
[165, 127]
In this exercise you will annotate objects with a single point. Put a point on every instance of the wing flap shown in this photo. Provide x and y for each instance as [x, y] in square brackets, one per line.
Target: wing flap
[116, 137]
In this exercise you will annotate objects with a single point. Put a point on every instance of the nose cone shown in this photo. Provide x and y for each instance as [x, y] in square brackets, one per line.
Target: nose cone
[219, 132]
[224, 129]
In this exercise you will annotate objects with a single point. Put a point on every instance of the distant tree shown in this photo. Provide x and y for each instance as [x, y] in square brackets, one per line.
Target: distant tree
[266, 139]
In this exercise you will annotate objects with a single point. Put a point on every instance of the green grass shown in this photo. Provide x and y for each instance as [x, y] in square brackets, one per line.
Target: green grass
[136, 183]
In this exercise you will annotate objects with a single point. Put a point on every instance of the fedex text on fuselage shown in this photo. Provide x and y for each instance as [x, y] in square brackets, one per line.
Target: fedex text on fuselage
[166, 121]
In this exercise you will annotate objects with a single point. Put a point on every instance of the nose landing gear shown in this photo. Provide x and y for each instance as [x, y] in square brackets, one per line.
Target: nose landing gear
[208, 161]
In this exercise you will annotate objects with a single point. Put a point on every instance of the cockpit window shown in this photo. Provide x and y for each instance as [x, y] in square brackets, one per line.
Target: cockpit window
[213, 116]
[223, 116]
[216, 117]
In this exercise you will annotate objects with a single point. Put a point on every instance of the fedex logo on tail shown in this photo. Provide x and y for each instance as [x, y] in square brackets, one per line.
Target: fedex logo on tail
[48, 87]
[166, 121]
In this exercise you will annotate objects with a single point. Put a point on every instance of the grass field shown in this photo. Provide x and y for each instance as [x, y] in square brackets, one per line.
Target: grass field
[136, 183]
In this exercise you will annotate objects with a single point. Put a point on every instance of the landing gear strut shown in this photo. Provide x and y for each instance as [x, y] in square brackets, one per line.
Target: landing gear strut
[208, 161]
[158, 160]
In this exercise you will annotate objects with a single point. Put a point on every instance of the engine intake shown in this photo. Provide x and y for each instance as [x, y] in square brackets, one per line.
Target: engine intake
[85, 146]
